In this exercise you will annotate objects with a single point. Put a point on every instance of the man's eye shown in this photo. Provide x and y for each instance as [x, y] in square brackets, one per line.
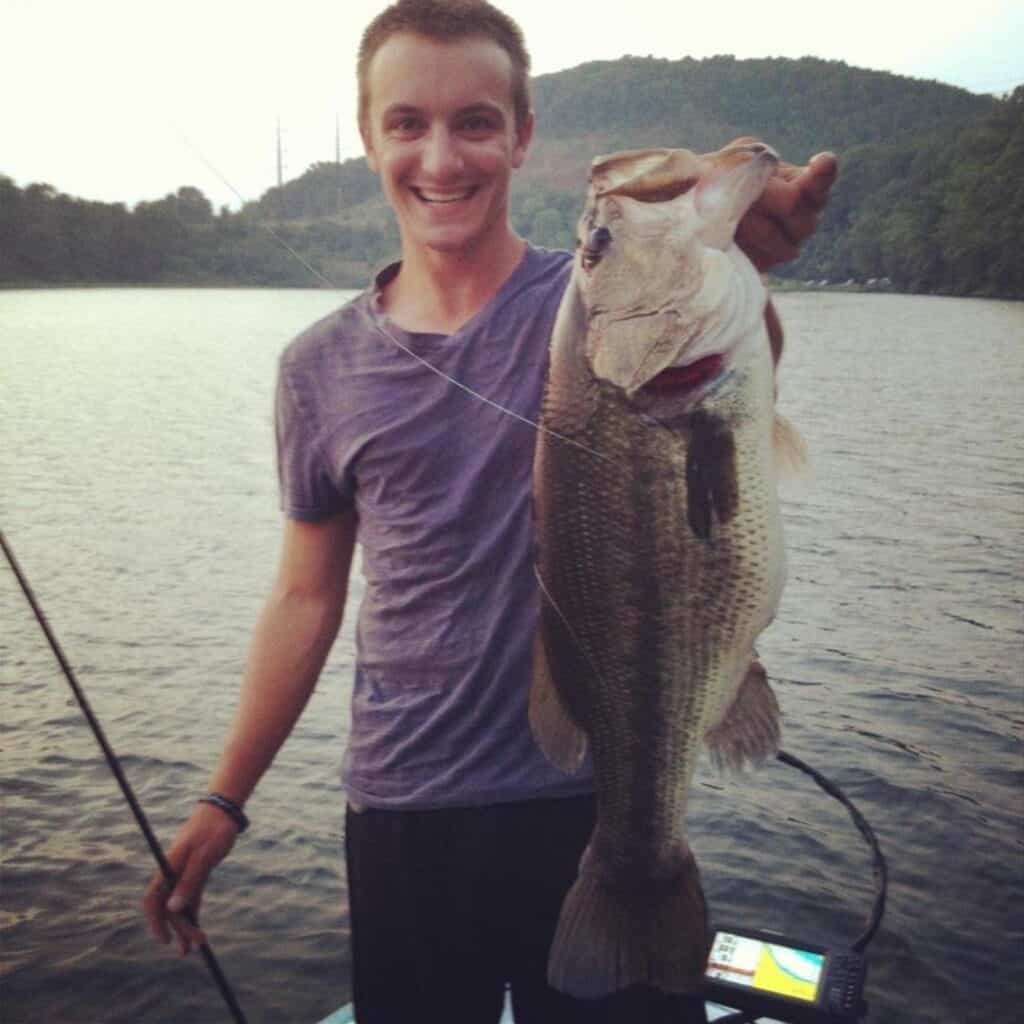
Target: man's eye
[478, 125]
[405, 125]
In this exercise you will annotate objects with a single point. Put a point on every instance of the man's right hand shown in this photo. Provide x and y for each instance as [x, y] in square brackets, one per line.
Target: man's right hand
[299, 622]
[200, 845]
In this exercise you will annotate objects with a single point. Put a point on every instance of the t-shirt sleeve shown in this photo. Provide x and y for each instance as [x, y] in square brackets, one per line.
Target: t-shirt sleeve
[308, 490]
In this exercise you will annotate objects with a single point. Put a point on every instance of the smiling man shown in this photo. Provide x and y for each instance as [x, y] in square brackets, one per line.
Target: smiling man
[461, 839]
[442, 128]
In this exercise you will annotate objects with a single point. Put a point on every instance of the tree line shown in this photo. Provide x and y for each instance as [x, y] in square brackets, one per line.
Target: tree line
[943, 213]
[930, 196]
[47, 237]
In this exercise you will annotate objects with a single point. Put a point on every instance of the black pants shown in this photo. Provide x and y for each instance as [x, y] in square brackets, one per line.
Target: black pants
[448, 906]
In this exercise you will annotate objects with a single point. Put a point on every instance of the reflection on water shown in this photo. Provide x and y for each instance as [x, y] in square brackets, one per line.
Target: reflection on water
[139, 492]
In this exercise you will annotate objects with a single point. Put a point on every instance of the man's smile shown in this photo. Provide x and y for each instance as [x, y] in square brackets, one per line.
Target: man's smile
[434, 196]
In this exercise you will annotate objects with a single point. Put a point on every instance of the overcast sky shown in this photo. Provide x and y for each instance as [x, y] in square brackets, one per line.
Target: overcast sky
[122, 100]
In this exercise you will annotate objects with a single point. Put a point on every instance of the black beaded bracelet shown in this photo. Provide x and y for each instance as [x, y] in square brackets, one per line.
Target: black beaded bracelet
[229, 807]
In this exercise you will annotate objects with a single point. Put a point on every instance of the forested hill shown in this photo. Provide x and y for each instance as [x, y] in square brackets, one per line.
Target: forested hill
[930, 197]
[802, 106]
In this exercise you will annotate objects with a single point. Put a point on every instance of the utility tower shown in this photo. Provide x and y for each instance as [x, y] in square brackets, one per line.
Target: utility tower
[338, 202]
[280, 162]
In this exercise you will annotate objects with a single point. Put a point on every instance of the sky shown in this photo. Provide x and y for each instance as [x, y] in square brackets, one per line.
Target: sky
[126, 100]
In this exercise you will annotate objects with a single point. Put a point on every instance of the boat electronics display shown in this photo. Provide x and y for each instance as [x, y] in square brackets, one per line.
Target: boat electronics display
[791, 981]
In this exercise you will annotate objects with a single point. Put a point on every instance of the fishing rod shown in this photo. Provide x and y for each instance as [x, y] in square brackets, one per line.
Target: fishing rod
[115, 766]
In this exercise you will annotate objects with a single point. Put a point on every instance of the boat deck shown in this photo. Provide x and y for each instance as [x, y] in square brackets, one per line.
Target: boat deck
[346, 1015]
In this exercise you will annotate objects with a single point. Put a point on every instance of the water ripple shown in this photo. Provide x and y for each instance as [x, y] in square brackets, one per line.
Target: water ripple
[896, 656]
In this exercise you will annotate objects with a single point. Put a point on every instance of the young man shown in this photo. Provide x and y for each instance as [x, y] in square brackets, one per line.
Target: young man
[460, 838]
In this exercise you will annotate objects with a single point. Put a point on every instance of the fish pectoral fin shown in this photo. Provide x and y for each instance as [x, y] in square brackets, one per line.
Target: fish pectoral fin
[563, 742]
[750, 729]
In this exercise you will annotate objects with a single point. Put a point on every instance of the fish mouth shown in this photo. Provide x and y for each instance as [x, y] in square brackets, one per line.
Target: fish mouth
[679, 380]
[443, 198]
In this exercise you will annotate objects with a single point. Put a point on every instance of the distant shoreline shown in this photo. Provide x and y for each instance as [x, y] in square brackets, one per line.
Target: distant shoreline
[11, 286]
[775, 285]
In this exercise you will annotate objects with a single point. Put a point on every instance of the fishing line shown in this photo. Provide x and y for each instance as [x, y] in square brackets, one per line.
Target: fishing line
[115, 766]
[538, 427]
[266, 227]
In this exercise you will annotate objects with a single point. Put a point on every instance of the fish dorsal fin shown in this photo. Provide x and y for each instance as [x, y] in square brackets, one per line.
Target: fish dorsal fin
[791, 460]
[650, 175]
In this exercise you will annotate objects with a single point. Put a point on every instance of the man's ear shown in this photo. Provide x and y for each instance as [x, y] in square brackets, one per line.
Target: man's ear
[524, 133]
[365, 135]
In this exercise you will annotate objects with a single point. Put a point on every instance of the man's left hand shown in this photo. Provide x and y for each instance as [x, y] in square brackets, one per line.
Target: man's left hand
[787, 213]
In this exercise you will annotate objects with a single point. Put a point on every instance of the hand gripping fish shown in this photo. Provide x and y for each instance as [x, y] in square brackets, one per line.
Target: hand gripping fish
[660, 554]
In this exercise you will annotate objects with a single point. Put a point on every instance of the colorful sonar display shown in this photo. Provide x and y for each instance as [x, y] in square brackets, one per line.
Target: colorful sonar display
[765, 966]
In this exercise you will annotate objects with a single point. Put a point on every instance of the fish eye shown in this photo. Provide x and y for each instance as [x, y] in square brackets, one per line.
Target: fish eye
[597, 245]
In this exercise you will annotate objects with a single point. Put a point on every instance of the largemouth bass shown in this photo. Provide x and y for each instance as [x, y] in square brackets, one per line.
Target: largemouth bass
[660, 550]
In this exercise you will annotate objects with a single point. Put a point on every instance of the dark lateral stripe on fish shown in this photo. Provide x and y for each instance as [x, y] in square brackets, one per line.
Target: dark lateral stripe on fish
[676, 379]
[711, 483]
[646, 713]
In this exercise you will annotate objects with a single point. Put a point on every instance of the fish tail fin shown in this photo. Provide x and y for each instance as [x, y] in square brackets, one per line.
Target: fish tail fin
[750, 730]
[791, 459]
[612, 933]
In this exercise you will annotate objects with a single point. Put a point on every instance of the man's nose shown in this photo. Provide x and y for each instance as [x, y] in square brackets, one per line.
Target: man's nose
[441, 156]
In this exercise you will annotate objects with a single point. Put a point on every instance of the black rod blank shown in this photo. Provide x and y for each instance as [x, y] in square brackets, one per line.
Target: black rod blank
[115, 766]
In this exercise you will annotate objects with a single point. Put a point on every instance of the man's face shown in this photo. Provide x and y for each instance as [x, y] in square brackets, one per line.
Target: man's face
[440, 130]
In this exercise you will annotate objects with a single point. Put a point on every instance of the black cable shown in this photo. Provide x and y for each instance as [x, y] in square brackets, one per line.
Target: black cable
[126, 789]
[881, 872]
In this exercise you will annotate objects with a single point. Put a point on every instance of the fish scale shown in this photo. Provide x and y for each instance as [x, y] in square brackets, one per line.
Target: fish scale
[678, 636]
[660, 558]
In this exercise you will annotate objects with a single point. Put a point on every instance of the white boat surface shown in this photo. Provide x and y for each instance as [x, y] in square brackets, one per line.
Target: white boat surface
[346, 1014]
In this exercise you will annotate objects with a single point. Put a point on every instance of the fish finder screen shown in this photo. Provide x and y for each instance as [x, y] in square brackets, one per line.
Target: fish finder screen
[765, 966]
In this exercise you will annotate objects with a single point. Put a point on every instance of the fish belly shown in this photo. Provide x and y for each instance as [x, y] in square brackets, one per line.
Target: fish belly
[648, 629]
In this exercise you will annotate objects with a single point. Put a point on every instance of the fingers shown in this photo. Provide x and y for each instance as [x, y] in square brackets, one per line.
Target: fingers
[190, 936]
[184, 902]
[173, 910]
[788, 212]
[818, 178]
[792, 189]
[766, 240]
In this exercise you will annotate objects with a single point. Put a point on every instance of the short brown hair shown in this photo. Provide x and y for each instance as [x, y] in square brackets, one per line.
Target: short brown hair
[445, 21]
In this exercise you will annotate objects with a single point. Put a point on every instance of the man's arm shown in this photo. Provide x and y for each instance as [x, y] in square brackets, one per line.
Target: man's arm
[289, 646]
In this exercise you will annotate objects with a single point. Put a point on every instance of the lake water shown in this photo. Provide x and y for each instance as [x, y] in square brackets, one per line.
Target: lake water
[139, 492]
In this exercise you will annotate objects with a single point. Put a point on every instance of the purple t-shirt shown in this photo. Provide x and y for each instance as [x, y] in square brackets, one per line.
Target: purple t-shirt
[441, 483]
